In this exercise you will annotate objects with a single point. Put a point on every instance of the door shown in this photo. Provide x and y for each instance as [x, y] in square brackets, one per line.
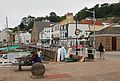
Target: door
[114, 43]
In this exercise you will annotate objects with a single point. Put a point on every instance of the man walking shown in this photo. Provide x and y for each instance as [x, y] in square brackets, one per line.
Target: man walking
[101, 50]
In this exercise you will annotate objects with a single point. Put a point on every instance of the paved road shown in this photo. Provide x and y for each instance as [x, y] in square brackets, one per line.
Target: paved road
[99, 70]
[111, 54]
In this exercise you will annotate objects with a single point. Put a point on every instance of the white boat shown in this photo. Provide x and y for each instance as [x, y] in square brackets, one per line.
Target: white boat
[6, 59]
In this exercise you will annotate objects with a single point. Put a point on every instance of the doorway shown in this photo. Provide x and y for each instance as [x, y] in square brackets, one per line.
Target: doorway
[114, 43]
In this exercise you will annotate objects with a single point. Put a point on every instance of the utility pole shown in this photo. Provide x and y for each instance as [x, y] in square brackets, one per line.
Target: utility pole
[93, 12]
[94, 28]
[76, 36]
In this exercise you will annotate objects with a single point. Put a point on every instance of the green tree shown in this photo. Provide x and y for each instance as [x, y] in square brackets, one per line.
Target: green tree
[83, 14]
[103, 11]
[39, 18]
[53, 17]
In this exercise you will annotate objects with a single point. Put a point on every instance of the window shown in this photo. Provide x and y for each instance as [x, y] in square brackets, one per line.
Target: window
[27, 41]
[60, 28]
[63, 27]
[45, 30]
[52, 30]
[63, 33]
[60, 36]
[56, 28]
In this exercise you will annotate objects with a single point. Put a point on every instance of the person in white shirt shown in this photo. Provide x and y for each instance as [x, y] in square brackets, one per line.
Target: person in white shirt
[39, 54]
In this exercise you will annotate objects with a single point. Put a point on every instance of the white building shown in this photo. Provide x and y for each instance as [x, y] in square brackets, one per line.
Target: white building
[84, 30]
[67, 33]
[23, 37]
[56, 31]
[56, 34]
[46, 35]
[3, 36]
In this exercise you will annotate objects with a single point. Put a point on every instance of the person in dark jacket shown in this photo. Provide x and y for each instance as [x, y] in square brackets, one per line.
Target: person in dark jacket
[101, 50]
[35, 58]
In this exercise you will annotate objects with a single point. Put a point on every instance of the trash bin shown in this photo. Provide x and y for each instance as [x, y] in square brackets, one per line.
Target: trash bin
[91, 53]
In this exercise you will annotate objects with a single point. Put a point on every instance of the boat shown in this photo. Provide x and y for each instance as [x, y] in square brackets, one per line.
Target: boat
[10, 47]
[6, 58]
[3, 52]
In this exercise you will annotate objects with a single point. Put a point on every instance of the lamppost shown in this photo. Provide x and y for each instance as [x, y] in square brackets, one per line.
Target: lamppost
[93, 12]
[52, 40]
[77, 32]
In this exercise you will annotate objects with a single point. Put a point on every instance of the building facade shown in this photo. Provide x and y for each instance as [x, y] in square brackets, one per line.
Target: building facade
[47, 35]
[37, 31]
[4, 36]
[56, 34]
[7, 37]
[109, 37]
[69, 19]
[68, 36]
[23, 38]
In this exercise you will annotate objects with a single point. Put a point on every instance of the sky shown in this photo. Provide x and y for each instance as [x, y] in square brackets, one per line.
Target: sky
[15, 10]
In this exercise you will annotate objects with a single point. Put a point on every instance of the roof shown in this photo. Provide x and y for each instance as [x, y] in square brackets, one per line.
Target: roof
[109, 30]
[41, 25]
[91, 22]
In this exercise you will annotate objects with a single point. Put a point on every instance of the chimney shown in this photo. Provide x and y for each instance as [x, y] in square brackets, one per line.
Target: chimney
[69, 16]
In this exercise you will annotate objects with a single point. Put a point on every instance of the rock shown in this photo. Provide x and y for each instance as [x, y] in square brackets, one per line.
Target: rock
[38, 69]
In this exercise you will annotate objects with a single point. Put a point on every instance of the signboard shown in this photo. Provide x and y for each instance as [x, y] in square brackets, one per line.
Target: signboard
[77, 32]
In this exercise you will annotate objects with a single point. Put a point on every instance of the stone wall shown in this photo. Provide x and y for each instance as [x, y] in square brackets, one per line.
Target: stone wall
[107, 42]
[118, 43]
[49, 55]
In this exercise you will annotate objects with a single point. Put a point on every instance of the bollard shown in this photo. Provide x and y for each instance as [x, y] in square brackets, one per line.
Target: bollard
[38, 69]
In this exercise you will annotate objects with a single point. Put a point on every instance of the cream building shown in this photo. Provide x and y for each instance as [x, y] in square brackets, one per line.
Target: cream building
[69, 19]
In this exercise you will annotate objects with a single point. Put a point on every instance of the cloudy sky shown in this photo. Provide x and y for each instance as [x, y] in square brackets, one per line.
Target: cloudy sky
[15, 10]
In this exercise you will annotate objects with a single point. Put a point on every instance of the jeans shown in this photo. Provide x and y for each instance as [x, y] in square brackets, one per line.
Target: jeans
[101, 55]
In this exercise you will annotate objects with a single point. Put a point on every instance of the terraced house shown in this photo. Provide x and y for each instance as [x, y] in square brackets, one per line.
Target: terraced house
[37, 31]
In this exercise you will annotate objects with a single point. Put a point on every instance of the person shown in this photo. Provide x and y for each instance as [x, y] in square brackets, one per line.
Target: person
[101, 50]
[68, 53]
[34, 57]
[39, 54]
[59, 54]
[63, 52]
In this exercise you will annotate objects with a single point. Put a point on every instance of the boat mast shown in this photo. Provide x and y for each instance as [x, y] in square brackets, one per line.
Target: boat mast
[18, 32]
[7, 31]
